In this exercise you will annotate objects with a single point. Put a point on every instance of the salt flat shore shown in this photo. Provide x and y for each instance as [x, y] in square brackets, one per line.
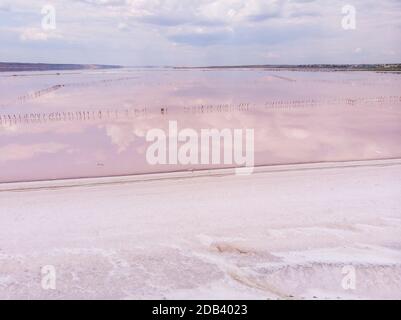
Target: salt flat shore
[284, 232]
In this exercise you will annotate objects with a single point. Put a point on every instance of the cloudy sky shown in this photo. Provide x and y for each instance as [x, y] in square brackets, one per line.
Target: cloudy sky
[200, 32]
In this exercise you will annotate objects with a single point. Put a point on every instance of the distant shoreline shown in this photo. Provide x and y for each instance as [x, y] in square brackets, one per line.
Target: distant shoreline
[17, 67]
[312, 67]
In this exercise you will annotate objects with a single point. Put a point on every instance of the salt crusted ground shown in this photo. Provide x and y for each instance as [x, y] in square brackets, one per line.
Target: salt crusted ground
[284, 232]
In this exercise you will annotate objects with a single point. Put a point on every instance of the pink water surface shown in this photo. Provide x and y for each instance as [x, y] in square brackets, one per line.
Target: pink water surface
[94, 123]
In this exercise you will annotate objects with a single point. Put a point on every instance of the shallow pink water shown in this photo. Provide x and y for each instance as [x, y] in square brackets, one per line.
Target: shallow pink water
[93, 123]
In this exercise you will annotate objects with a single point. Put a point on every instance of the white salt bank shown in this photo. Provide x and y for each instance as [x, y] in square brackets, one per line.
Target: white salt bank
[323, 231]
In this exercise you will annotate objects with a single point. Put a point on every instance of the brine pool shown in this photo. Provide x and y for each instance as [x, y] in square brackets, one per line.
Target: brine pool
[75, 124]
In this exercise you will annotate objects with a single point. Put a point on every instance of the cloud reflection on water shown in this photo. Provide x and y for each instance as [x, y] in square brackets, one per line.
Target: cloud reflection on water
[95, 126]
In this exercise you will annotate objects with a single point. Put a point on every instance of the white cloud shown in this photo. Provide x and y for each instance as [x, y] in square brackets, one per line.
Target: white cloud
[13, 152]
[202, 32]
[36, 34]
[32, 34]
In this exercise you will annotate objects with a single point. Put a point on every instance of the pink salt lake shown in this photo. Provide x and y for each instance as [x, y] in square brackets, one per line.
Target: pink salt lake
[93, 123]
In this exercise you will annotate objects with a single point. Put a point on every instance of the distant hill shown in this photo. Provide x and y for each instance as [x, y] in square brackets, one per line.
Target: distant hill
[11, 66]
